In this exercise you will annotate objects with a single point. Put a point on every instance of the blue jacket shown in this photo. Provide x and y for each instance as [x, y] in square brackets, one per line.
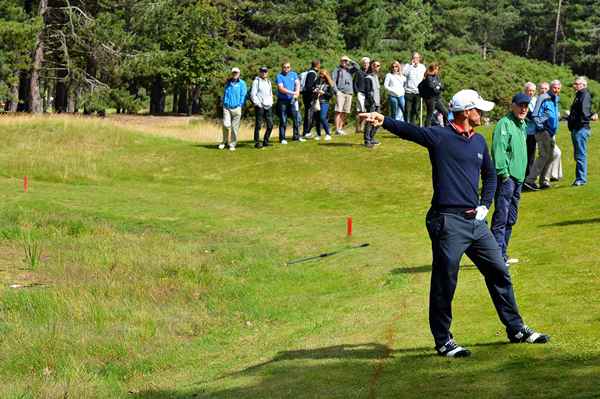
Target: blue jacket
[235, 94]
[548, 115]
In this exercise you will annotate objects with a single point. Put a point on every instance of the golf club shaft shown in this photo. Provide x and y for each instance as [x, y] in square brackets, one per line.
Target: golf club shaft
[326, 254]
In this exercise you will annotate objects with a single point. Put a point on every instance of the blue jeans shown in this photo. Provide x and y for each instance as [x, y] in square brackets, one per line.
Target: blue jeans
[286, 108]
[323, 119]
[506, 204]
[580, 138]
[396, 107]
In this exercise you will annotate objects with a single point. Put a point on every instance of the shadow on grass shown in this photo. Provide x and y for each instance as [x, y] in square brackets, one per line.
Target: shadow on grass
[373, 370]
[572, 222]
[424, 269]
[340, 144]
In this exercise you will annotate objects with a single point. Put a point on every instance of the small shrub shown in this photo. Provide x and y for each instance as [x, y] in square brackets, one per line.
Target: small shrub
[32, 249]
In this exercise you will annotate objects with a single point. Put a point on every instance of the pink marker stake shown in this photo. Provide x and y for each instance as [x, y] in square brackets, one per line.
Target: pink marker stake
[25, 184]
[349, 226]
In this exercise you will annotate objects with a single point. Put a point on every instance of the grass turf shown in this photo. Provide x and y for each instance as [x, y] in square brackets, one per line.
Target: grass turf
[161, 273]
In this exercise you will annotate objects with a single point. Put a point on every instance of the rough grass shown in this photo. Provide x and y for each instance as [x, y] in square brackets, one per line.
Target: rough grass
[163, 272]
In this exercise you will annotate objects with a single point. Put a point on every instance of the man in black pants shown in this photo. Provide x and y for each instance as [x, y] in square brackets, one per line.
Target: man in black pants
[456, 221]
[307, 89]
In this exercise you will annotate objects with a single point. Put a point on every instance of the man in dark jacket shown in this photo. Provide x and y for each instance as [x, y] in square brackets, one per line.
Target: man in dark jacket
[307, 89]
[360, 88]
[579, 125]
[456, 219]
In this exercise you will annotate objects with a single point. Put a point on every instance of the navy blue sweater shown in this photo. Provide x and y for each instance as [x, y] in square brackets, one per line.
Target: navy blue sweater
[456, 161]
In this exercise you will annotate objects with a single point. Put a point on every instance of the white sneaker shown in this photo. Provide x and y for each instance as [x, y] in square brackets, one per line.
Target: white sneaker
[283, 142]
[222, 146]
[511, 261]
[308, 135]
[327, 137]
[317, 138]
[340, 132]
[231, 148]
[301, 139]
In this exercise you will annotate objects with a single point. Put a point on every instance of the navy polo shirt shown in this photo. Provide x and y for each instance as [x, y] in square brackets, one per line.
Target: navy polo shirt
[457, 162]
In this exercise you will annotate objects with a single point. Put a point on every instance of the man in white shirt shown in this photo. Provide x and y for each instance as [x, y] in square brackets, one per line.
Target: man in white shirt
[414, 72]
[262, 98]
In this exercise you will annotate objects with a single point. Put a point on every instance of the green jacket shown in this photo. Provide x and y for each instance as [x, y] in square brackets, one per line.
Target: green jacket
[509, 148]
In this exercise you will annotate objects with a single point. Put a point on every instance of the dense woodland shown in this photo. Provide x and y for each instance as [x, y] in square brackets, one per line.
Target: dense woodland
[172, 55]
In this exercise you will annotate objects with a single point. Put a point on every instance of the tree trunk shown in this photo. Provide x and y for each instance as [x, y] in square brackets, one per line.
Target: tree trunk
[555, 46]
[175, 99]
[45, 95]
[133, 91]
[182, 107]
[38, 59]
[195, 100]
[157, 97]
[60, 92]
[71, 100]
[528, 48]
[484, 46]
[90, 68]
[23, 104]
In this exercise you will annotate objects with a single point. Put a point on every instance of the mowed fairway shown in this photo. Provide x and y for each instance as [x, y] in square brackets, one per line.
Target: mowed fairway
[162, 273]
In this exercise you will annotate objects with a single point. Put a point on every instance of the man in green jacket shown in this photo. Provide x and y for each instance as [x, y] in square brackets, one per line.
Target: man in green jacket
[509, 153]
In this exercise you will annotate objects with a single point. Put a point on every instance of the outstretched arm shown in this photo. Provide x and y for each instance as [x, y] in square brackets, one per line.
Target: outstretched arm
[419, 135]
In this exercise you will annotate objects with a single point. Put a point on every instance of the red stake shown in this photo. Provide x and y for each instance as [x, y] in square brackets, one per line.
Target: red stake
[349, 226]
[25, 184]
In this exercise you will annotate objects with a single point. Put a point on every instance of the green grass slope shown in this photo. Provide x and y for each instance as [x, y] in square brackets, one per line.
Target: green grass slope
[161, 273]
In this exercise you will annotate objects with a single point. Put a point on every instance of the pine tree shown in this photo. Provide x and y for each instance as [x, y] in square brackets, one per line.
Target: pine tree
[363, 23]
[410, 25]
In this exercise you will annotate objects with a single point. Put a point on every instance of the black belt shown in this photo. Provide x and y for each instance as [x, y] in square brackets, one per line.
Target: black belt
[467, 213]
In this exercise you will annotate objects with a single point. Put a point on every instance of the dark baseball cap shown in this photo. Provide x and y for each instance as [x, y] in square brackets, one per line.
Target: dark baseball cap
[521, 98]
[263, 69]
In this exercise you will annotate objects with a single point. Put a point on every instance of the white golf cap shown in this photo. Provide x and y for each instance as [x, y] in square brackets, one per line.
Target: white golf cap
[469, 99]
[235, 70]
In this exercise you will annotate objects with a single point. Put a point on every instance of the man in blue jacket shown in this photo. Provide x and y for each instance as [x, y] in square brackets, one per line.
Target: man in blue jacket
[546, 125]
[456, 219]
[233, 101]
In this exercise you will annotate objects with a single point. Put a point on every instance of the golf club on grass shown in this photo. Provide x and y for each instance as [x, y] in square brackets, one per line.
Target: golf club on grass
[326, 254]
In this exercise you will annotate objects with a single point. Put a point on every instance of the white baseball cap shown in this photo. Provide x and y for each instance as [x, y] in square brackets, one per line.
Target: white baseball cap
[469, 99]
[235, 70]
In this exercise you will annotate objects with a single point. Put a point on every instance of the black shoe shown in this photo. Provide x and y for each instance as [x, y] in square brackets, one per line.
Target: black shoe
[266, 144]
[452, 349]
[258, 145]
[578, 184]
[375, 142]
[529, 336]
[545, 185]
[369, 145]
[554, 179]
[530, 186]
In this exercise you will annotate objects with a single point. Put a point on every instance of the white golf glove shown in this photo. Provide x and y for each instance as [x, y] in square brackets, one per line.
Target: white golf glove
[482, 212]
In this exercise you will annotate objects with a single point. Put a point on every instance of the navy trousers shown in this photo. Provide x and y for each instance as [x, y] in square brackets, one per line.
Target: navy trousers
[452, 236]
[506, 204]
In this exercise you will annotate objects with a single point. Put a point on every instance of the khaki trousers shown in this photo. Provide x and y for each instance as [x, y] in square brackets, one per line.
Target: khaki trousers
[231, 122]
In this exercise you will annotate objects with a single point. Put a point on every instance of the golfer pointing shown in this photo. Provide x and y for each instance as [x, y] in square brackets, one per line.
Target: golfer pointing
[456, 221]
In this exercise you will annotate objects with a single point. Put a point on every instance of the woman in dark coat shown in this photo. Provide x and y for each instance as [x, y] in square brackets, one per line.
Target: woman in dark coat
[430, 89]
